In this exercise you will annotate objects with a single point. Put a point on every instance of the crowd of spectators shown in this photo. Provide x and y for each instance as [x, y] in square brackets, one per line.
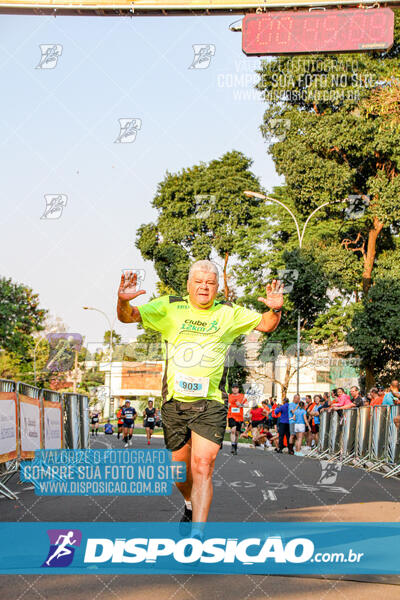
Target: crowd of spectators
[294, 423]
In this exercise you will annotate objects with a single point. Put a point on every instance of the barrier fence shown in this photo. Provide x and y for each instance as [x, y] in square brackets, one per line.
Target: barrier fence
[33, 419]
[367, 437]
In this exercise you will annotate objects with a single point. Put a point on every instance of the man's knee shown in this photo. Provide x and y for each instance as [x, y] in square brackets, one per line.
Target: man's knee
[202, 465]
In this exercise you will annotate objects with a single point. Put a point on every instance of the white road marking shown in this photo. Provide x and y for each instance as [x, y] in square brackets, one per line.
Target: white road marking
[242, 461]
[257, 473]
[268, 495]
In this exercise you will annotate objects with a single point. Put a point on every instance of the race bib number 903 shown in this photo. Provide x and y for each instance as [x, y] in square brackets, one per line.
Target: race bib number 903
[191, 386]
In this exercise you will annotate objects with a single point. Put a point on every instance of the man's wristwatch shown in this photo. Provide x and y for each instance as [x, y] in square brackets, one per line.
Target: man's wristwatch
[276, 310]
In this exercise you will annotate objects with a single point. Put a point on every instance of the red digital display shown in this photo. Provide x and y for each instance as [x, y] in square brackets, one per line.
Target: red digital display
[347, 30]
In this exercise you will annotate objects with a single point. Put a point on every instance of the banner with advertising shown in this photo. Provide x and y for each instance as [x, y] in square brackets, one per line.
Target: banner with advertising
[30, 430]
[277, 548]
[52, 420]
[8, 426]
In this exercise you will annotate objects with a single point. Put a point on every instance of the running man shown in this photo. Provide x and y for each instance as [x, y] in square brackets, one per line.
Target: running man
[149, 419]
[235, 416]
[129, 415]
[120, 421]
[94, 422]
[194, 384]
[62, 549]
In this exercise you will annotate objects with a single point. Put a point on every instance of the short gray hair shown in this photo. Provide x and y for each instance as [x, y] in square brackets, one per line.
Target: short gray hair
[204, 265]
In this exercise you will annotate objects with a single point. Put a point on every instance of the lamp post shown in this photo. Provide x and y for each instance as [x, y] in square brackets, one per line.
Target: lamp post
[111, 345]
[300, 236]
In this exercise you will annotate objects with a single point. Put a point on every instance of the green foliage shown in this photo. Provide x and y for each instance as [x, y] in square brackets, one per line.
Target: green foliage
[375, 333]
[331, 327]
[202, 214]
[20, 317]
[116, 338]
[91, 378]
[333, 128]
[334, 147]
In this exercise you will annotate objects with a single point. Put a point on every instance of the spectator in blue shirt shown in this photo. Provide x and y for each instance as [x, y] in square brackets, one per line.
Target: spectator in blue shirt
[284, 429]
[292, 407]
[392, 397]
[108, 428]
[301, 421]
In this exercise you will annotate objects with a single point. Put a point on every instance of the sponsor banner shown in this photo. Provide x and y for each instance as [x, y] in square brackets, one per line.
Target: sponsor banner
[216, 548]
[103, 472]
[52, 425]
[30, 430]
[8, 426]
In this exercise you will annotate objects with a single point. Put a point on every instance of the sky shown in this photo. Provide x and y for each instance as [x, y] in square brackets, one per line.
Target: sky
[59, 128]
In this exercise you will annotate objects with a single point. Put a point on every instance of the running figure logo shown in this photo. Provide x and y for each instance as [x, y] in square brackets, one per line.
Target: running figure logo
[55, 203]
[128, 130]
[203, 54]
[50, 55]
[62, 547]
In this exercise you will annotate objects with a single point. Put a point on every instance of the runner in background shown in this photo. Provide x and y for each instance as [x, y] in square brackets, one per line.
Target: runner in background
[94, 422]
[236, 402]
[149, 420]
[129, 415]
[120, 421]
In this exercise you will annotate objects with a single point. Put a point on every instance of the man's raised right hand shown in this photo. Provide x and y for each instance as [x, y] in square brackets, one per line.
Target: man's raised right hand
[127, 289]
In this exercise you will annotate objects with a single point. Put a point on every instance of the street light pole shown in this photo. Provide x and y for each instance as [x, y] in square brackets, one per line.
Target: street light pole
[300, 236]
[111, 342]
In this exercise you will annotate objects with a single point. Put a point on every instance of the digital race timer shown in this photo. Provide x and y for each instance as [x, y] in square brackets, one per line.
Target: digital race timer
[347, 30]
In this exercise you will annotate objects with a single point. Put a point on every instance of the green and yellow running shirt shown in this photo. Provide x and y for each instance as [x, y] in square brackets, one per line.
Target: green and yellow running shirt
[195, 344]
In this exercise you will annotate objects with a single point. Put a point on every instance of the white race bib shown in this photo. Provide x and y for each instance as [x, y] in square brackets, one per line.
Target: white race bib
[191, 386]
[150, 419]
[235, 410]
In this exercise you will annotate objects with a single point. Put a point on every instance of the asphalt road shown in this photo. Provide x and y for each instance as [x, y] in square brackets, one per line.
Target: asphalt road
[256, 485]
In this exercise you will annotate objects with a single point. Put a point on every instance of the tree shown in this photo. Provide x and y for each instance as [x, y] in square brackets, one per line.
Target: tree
[116, 338]
[337, 144]
[21, 316]
[375, 330]
[202, 213]
[334, 121]
[91, 378]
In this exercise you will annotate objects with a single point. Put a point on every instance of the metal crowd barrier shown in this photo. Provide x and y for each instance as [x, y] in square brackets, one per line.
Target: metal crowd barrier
[361, 449]
[8, 468]
[75, 426]
[322, 449]
[53, 396]
[76, 421]
[364, 437]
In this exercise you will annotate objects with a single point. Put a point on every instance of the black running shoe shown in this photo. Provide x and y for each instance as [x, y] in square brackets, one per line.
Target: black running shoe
[185, 522]
[187, 516]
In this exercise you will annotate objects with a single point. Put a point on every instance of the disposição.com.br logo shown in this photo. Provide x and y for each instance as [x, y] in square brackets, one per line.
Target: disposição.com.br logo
[63, 543]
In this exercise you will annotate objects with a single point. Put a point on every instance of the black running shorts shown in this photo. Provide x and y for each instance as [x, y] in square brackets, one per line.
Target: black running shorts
[233, 423]
[207, 418]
